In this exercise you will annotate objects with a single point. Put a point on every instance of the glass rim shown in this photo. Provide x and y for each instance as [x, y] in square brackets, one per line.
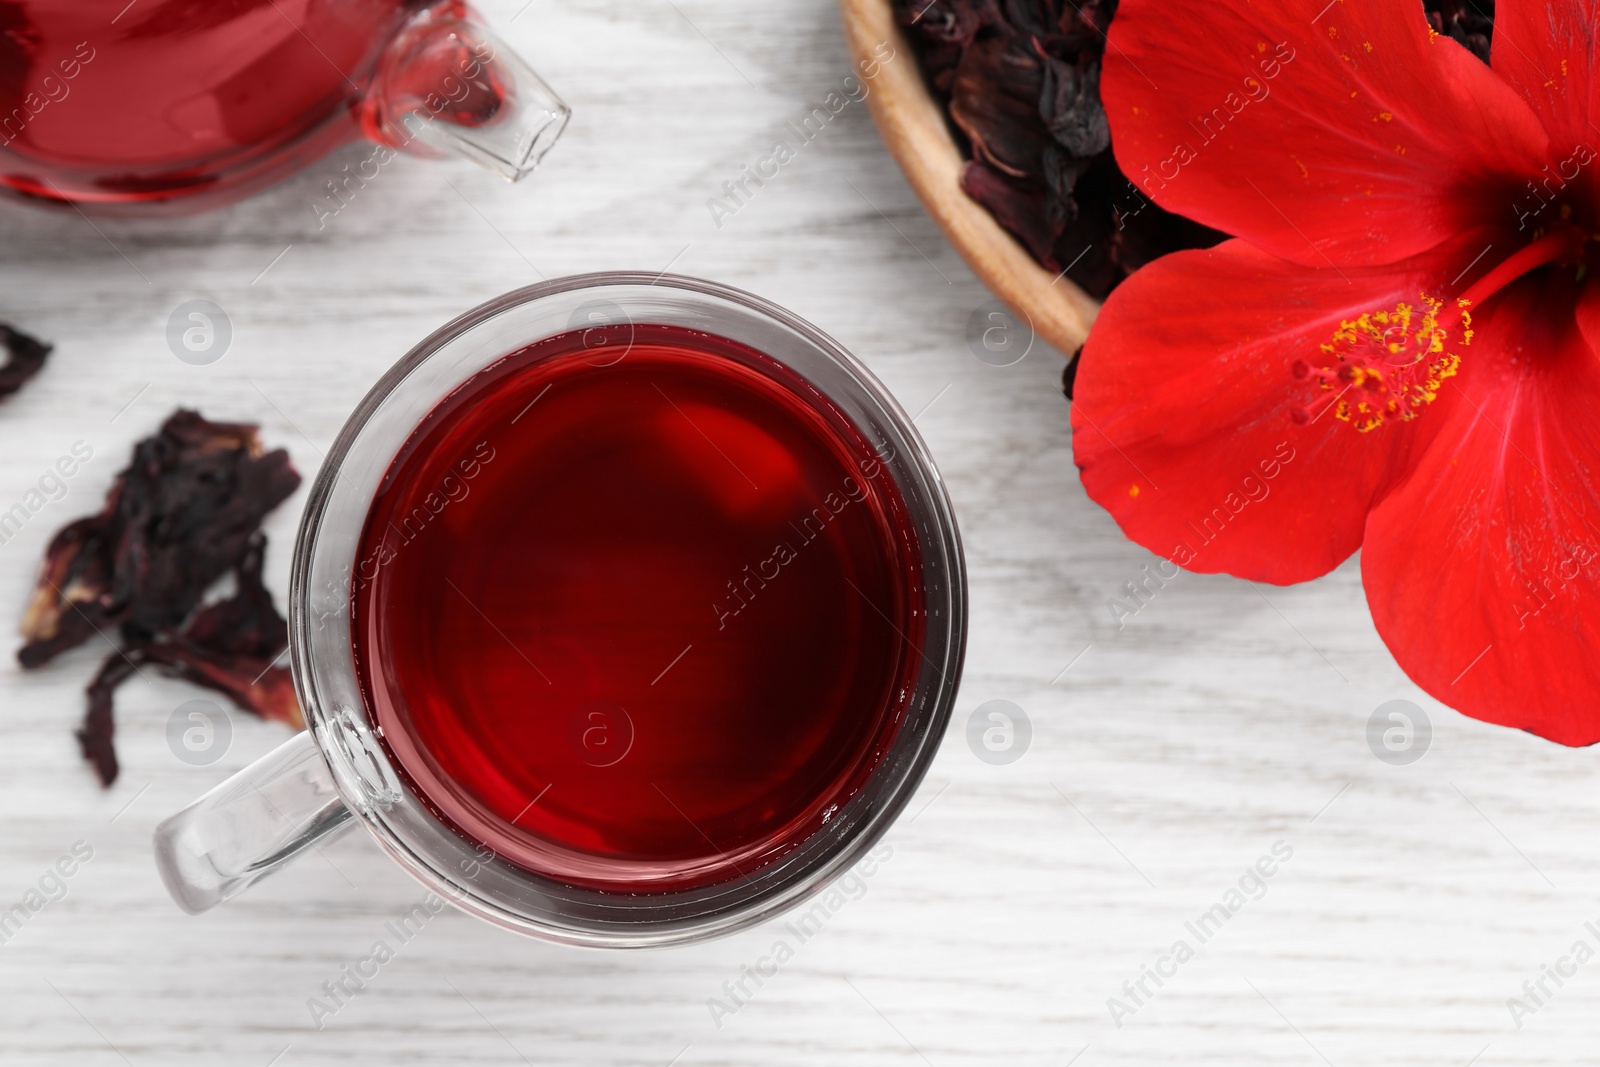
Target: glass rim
[370, 786]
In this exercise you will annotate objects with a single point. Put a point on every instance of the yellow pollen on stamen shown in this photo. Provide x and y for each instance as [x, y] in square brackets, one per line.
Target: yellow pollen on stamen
[1388, 365]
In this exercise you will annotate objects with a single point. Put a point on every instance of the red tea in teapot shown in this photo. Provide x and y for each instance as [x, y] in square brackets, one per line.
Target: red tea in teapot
[195, 102]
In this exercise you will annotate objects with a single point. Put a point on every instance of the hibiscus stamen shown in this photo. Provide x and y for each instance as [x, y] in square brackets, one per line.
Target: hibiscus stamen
[1565, 243]
[1386, 366]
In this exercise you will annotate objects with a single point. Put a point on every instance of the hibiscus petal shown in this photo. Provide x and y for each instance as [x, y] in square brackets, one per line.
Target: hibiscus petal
[1551, 53]
[1183, 409]
[1483, 568]
[1325, 132]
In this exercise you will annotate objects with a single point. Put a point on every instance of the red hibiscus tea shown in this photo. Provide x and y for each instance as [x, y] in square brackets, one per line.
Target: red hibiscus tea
[637, 608]
[185, 104]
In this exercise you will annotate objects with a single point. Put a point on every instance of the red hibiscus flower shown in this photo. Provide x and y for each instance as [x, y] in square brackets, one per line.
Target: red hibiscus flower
[1400, 351]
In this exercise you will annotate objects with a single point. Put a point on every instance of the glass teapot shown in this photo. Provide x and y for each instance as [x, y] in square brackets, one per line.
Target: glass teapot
[131, 107]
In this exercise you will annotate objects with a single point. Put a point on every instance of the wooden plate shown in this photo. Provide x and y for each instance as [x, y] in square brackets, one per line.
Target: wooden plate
[912, 125]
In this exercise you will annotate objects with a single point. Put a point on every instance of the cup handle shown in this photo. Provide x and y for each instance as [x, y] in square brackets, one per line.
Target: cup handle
[250, 825]
[446, 84]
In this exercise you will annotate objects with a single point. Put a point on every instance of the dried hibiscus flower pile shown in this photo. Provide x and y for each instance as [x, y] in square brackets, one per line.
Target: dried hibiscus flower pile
[1021, 82]
[183, 516]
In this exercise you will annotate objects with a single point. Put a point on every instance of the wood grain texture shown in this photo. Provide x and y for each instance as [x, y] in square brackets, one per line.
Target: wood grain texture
[918, 137]
[1178, 747]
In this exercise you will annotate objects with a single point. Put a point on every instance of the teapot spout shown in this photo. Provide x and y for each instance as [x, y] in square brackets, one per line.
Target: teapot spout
[447, 85]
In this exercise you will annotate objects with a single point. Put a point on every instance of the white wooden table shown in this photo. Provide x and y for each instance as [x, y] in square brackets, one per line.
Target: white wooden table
[1175, 751]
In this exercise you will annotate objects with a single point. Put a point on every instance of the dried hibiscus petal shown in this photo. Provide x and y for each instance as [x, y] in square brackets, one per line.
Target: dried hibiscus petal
[230, 646]
[1069, 101]
[995, 102]
[946, 29]
[183, 515]
[1020, 207]
[176, 520]
[24, 357]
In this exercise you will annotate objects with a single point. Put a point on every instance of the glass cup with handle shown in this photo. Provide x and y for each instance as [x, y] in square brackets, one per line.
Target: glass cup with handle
[340, 773]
